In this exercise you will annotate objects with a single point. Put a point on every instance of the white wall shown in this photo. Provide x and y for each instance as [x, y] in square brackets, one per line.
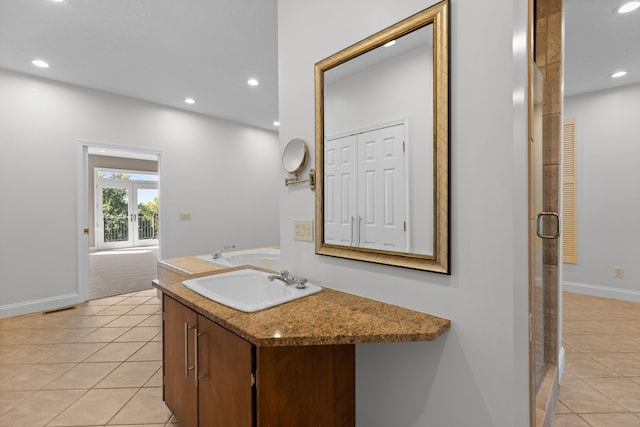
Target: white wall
[226, 174]
[608, 192]
[476, 375]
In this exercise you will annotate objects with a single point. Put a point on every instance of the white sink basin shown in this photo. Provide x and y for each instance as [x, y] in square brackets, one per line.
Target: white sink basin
[247, 290]
[268, 258]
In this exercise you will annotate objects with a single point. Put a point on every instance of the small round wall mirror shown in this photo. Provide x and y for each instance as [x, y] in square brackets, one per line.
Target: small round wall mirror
[295, 156]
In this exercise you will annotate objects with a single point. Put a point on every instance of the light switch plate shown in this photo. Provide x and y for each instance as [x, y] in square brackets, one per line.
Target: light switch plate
[185, 216]
[303, 230]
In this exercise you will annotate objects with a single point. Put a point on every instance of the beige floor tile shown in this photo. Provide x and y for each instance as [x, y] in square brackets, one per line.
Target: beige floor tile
[104, 335]
[153, 301]
[116, 310]
[63, 336]
[138, 425]
[568, 420]
[36, 377]
[612, 420]
[27, 354]
[139, 333]
[580, 397]
[130, 374]
[154, 320]
[156, 379]
[561, 409]
[150, 351]
[145, 309]
[624, 363]
[39, 408]
[603, 343]
[145, 407]
[624, 391]
[96, 407]
[9, 399]
[8, 371]
[97, 321]
[19, 336]
[583, 366]
[82, 376]
[135, 300]
[128, 320]
[611, 327]
[76, 352]
[106, 301]
[173, 422]
[115, 352]
[87, 310]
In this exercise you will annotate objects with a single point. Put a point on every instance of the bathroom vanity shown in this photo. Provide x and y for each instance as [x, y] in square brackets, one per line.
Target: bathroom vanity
[289, 365]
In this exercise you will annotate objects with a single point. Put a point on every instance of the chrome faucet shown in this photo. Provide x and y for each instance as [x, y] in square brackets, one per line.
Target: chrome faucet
[288, 280]
[218, 253]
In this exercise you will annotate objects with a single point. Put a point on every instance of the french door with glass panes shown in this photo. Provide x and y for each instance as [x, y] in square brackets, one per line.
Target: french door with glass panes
[123, 216]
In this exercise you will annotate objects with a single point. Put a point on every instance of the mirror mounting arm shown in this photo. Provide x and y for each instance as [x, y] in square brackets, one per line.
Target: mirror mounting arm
[295, 180]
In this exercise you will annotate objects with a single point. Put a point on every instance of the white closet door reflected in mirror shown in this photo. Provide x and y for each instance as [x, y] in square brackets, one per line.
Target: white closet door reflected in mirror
[366, 192]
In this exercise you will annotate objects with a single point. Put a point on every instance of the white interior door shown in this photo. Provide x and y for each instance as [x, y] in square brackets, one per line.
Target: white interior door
[365, 190]
[381, 192]
[340, 184]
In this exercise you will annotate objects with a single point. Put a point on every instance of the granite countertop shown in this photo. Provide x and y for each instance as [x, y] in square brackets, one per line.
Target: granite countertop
[328, 317]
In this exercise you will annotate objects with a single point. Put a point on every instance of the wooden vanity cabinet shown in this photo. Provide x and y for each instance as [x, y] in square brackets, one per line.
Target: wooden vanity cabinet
[180, 392]
[212, 377]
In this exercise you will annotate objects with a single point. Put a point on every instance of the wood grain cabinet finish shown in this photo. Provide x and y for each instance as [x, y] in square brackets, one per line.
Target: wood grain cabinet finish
[212, 377]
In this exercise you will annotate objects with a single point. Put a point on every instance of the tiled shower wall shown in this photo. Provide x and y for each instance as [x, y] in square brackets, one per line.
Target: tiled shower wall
[548, 57]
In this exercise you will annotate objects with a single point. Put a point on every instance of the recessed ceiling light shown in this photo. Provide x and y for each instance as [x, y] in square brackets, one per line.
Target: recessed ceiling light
[190, 100]
[253, 82]
[58, 1]
[618, 74]
[276, 123]
[40, 63]
[629, 7]
[389, 44]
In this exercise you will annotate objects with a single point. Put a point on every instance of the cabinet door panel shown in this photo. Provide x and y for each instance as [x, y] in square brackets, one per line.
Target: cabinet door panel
[180, 390]
[306, 386]
[225, 367]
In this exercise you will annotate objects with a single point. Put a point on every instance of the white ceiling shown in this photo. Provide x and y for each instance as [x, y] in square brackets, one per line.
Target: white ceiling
[165, 50]
[156, 50]
[599, 41]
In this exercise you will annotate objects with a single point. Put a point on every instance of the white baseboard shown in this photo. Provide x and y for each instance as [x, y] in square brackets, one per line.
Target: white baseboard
[35, 306]
[561, 362]
[601, 291]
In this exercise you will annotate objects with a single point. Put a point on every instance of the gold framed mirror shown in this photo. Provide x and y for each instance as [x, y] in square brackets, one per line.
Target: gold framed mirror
[382, 146]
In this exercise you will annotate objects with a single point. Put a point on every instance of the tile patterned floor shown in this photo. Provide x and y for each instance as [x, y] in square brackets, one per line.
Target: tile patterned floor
[99, 364]
[601, 382]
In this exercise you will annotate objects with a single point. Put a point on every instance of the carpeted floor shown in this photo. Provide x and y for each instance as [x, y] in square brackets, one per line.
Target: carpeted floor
[120, 271]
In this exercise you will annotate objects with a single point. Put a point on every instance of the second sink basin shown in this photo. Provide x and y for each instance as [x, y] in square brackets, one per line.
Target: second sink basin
[247, 290]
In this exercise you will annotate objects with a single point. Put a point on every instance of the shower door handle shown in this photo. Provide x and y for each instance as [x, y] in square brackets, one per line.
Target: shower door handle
[556, 231]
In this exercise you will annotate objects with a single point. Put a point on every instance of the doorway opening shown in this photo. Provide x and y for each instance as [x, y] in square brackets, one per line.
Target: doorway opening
[120, 247]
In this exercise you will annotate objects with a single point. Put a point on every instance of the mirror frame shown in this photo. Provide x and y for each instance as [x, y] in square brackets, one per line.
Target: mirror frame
[439, 262]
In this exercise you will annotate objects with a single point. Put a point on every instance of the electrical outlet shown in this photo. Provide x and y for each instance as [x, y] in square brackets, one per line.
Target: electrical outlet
[185, 216]
[618, 272]
[303, 230]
